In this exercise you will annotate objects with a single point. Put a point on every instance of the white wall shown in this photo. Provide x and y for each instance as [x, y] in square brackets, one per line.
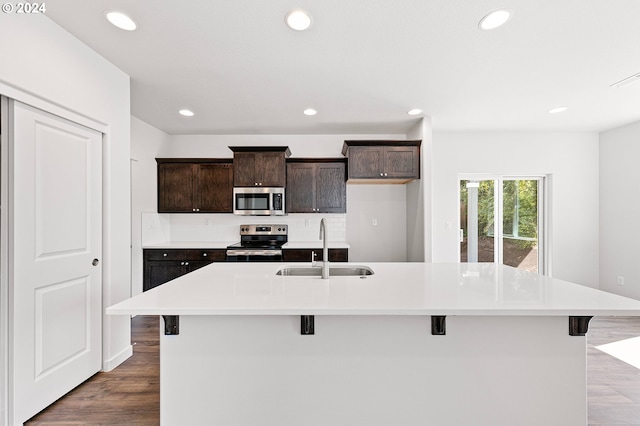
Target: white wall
[572, 161]
[419, 247]
[43, 65]
[146, 143]
[377, 223]
[620, 210]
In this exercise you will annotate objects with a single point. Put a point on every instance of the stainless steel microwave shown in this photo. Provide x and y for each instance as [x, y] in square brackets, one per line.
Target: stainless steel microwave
[262, 201]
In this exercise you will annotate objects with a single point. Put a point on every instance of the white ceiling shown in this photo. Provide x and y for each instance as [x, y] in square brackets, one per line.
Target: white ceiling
[364, 63]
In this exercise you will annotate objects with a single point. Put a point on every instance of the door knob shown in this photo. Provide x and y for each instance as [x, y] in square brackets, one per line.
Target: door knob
[95, 262]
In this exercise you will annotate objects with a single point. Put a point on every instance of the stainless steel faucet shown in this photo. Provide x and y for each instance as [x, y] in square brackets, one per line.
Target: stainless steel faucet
[325, 249]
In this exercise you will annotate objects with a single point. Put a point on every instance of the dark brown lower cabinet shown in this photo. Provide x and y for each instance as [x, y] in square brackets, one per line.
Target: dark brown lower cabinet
[162, 265]
[304, 255]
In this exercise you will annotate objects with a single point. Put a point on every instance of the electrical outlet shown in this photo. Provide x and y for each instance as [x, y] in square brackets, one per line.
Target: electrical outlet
[207, 223]
[620, 280]
[374, 222]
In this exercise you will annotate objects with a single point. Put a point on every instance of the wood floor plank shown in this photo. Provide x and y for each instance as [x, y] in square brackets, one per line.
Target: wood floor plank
[130, 394]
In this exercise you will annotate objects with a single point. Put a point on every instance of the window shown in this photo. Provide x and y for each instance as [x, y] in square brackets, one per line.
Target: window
[501, 220]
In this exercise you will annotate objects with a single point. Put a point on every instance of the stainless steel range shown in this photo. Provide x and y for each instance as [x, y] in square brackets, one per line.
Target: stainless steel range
[258, 243]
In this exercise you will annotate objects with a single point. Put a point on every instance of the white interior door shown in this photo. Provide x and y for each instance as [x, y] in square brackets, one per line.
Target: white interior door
[55, 247]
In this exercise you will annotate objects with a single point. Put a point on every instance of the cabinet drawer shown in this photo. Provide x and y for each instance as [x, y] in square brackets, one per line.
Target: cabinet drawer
[164, 254]
[213, 255]
[304, 255]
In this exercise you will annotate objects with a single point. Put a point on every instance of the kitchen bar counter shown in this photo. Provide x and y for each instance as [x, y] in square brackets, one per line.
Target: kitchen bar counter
[413, 344]
[394, 289]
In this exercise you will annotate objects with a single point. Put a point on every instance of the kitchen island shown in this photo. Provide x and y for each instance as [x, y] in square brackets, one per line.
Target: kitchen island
[412, 344]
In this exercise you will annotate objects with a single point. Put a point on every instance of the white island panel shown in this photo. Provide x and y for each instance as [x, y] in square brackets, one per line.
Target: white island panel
[373, 370]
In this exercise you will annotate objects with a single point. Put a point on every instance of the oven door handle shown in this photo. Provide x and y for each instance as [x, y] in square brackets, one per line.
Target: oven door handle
[245, 252]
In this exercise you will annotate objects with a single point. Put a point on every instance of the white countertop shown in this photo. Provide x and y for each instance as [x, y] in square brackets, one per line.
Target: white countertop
[317, 244]
[199, 245]
[208, 245]
[394, 289]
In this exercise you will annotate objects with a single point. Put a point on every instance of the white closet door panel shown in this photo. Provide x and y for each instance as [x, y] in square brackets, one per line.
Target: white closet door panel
[56, 290]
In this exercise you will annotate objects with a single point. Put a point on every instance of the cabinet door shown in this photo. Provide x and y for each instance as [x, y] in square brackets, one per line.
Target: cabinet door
[244, 164]
[296, 255]
[330, 188]
[301, 188]
[365, 162]
[176, 184]
[158, 272]
[338, 255]
[401, 162]
[270, 169]
[215, 188]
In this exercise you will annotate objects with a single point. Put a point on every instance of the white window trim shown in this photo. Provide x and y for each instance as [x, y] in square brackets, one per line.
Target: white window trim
[544, 211]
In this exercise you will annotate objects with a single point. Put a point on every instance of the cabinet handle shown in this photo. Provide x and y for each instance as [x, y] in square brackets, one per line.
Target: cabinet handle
[193, 210]
[164, 254]
[381, 174]
[181, 263]
[386, 174]
[186, 263]
[204, 254]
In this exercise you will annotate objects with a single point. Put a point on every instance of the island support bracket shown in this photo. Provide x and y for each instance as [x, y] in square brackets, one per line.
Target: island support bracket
[578, 326]
[306, 325]
[438, 325]
[171, 325]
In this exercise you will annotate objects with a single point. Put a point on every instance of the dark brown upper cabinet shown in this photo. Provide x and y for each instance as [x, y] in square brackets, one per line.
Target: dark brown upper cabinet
[382, 161]
[195, 185]
[316, 186]
[259, 166]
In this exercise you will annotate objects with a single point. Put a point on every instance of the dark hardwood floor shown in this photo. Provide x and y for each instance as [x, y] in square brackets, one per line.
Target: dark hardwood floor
[129, 395]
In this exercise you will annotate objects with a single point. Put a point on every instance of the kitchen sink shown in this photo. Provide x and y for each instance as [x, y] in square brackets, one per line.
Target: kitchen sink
[335, 271]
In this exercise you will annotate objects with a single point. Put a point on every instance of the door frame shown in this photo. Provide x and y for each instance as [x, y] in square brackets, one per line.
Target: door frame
[10, 92]
[544, 212]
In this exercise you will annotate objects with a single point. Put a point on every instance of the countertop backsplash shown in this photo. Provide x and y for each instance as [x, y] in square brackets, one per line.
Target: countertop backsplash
[158, 228]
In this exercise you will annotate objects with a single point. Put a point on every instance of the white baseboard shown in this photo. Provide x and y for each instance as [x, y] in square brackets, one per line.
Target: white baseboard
[112, 363]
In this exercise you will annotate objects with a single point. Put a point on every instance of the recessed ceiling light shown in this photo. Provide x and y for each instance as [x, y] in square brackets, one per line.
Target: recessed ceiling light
[309, 111]
[298, 20]
[186, 112]
[558, 109]
[415, 111]
[494, 19]
[121, 20]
